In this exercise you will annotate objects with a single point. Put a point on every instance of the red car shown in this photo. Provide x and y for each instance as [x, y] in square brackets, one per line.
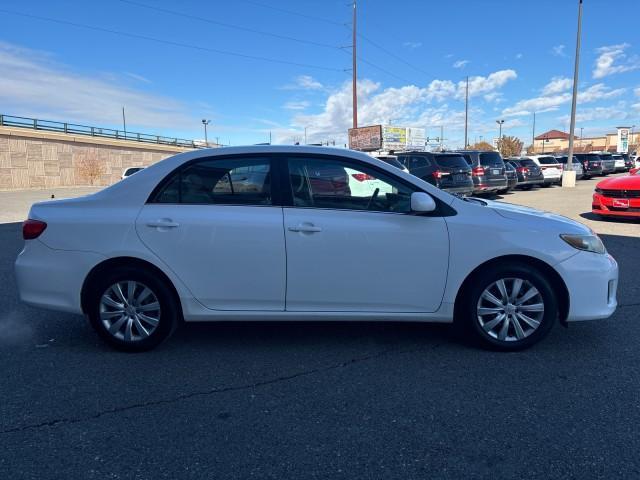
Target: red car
[619, 196]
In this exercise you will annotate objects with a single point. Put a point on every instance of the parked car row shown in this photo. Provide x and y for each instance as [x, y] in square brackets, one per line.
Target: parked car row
[473, 172]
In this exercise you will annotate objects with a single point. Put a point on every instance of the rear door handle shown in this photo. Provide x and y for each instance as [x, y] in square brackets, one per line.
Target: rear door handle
[163, 224]
[305, 228]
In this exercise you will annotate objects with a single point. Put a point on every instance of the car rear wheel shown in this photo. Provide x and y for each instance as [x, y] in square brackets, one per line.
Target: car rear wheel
[132, 310]
[510, 307]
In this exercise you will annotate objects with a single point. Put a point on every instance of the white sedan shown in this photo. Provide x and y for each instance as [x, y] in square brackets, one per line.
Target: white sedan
[275, 233]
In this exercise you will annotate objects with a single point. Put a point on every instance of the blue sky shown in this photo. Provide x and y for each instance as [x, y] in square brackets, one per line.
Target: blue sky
[414, 56]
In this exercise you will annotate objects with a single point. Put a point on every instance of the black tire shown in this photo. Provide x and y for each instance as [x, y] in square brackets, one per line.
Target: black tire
[469, 305]
[168, 312]
[546, 185]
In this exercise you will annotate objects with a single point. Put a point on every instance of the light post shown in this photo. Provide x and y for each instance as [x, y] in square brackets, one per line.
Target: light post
[581, 129]
[500, 122]
[569, 177]
[205, 123]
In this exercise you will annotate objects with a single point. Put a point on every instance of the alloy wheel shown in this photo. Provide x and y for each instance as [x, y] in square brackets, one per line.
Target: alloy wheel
[510, 309]
[129, 311]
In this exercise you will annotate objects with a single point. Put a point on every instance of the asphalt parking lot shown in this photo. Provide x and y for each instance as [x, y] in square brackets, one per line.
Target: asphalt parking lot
[320, 400]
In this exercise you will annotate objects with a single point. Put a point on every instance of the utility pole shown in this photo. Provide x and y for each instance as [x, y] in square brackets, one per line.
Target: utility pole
[581, 129]
[533, 133]
[124, 123]
[466, 114]
[354, 70]
[205, 122]
[269, 137]
[305, 135]
[570, 180]
[441, 138]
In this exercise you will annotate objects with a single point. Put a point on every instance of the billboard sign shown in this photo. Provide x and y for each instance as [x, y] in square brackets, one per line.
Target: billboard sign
[366, 138]
[623, 140]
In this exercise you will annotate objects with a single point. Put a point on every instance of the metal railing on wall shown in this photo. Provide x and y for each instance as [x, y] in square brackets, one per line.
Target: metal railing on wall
[76, 129]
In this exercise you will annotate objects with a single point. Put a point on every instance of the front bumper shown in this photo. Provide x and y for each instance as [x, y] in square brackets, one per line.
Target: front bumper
[602, 205]
[53, 279]
[592, 282]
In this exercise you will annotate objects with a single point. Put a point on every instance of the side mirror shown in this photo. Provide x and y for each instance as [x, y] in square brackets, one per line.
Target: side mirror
[422, 202]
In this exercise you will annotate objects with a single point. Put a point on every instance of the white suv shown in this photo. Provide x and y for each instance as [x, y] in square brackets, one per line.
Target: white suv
[551, 169]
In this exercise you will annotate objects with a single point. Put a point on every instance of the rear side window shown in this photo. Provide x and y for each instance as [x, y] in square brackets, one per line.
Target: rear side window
[419, 162]
[391, 161]
[491, 159]
[245, 181]
[451, 161]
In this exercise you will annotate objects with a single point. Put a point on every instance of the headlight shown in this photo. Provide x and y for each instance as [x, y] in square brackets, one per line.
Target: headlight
[588, 243]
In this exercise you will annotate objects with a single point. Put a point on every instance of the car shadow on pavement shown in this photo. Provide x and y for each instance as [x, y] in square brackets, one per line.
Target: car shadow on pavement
[599, 218]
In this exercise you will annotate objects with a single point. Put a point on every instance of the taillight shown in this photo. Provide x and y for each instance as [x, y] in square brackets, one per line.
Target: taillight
[438, 174]
[361, 177]
[32, 229]
[523, 169]
[477, 171]
[561, 167]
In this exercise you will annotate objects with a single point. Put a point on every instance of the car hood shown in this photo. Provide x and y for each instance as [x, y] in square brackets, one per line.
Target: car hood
[538, 217]
[627, 182]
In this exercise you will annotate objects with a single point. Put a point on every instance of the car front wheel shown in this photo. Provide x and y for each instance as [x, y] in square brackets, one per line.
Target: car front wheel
[132, 310]
[510, 307]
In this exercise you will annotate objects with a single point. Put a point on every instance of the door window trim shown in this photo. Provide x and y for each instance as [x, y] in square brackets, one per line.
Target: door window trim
[442, 209]
[274, 170]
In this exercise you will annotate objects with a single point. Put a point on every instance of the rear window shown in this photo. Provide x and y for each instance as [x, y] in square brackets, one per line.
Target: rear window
[392, 161]
[491, 159]
[562, 159]
[590, 158]
[617, 157]
[453, 161]
[527, 162]
[547, 160]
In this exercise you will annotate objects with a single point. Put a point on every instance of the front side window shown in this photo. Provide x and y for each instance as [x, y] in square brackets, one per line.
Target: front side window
[332, 183]
[243, 181]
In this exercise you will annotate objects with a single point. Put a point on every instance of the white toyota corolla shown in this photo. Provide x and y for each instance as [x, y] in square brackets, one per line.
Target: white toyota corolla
[276, 233]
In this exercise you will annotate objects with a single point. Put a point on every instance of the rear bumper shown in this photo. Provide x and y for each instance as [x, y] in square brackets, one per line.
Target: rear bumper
[592, 282]
[52, 279]
[467, 190]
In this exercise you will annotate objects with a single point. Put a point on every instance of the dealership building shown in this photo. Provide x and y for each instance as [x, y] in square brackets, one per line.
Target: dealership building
[623, 140]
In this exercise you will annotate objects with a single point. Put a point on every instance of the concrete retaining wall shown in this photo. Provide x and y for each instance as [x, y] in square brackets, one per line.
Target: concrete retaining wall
[35, 159]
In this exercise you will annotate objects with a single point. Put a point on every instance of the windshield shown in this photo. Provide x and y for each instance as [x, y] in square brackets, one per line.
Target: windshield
[491, 159]
[453, 161]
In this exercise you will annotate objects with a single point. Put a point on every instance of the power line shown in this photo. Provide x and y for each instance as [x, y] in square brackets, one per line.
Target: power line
[170, 42]
[397, 57]
[298, 14]
[228, 25]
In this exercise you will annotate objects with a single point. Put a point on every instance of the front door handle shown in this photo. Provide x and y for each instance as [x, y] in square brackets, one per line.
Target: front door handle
[305, 228]
[164, 223]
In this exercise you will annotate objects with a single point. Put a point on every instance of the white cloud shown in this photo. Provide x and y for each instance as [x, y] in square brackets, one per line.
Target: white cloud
[493, 97]
[137, 77]
[547, 103]
[407, 105]
[608, 61]
[558, 51]
[32, 84]
[304, 82]
[460, 64]
[296, 105]
[637, 92]
[480, 85]
[412, 45]
[557, 85]
[618, 111]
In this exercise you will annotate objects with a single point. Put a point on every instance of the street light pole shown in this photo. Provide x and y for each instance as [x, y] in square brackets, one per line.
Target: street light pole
[570, 179]
[466, 114]
[206, 122]
[500, 122]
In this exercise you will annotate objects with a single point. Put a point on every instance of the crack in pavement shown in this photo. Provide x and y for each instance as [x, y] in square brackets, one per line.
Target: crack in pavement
[186, 396]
